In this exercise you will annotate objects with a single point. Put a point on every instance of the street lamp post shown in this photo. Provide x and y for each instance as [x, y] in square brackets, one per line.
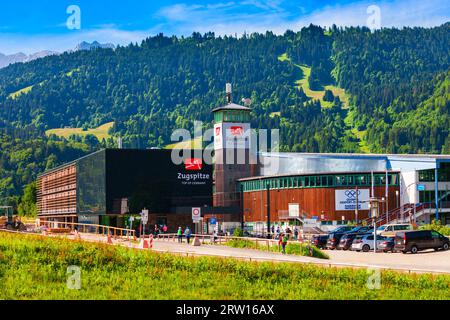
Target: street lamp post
[374, 210]
[268, 210]
[397, 193]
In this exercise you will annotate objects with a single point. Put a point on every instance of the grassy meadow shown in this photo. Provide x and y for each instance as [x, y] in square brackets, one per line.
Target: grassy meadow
[316, 95]
[101, 132]
[34, 267]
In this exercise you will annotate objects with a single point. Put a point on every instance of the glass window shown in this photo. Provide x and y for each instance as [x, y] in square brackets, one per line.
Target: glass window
[306, 181]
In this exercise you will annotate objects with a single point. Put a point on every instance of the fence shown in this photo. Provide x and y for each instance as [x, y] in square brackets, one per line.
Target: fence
[89, 228]
[224, 239]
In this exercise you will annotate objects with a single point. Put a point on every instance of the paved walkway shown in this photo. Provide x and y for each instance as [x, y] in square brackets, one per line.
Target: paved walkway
[423, 262]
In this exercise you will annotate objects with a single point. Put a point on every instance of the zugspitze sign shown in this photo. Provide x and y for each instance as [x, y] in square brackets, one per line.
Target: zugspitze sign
[346, 199]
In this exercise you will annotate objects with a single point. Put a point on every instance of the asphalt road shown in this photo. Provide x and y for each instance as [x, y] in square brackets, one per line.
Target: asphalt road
[423, 262]
[426, 261]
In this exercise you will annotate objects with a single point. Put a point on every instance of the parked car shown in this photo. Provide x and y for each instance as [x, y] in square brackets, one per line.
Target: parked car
[346, 241]
[387, 245]
[365, 242]
[414, 241]
[360, 230]
[320, 241]
[389, 230]
[342, 229]
[335, 236]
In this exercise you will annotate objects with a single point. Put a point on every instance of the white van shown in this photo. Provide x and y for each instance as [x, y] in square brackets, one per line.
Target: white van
[389, 230]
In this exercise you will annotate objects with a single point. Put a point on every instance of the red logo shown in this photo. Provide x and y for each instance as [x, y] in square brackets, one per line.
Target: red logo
[193, 164]
[218, 131]
[237, 131]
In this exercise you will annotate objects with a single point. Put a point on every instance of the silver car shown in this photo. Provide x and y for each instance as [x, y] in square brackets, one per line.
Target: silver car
[365, 242]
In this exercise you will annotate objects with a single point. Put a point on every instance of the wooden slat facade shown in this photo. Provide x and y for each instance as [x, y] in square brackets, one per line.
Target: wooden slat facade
[313, 201]
[57, 192]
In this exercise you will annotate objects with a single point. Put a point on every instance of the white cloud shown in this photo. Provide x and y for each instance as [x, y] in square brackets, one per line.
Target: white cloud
[183, 19]
[230, 17]
[393, 14]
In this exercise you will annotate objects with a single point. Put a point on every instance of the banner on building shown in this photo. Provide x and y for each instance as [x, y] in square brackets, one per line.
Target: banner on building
[346, 199]
[232, 135]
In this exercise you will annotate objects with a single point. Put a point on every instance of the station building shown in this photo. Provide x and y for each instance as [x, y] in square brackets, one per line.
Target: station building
[267, 188]
[106, 187]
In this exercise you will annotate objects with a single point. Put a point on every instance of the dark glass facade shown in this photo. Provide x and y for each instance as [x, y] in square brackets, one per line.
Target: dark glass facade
[429, 175]
[91, 184]
[149, 178]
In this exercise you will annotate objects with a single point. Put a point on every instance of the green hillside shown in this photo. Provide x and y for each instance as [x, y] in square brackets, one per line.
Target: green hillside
[327, 90]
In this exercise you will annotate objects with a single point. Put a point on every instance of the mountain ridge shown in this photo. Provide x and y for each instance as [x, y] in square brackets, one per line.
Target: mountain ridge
[6, 60]
[394, 83]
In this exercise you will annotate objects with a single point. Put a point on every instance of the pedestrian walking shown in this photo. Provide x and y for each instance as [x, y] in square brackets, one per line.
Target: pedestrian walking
[280, 241]
[165, 229]
[296, 233]
[180, 235]
[284, 243]
[187, 233]
[215, 234]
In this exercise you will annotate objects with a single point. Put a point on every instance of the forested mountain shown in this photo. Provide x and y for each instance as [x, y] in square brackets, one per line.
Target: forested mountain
[335, 90]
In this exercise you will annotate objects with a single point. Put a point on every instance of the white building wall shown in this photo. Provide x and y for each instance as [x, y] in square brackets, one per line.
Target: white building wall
[408, 187]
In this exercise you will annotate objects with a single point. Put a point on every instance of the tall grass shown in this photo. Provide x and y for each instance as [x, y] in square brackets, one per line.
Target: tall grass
[33, 267]
[292, 248]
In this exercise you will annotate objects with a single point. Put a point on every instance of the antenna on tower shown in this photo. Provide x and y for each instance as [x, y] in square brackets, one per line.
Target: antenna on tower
[229, 91]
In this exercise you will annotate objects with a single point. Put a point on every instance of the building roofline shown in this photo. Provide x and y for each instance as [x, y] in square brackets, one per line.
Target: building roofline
[314, 174]
[232, 106]
[361, 155]
[62, 166]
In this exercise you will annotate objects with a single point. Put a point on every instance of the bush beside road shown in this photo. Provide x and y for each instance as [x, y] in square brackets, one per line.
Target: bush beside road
[299, 249]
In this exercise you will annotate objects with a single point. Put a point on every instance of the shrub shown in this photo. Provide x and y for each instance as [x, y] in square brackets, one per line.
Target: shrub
[437, 226]
[238, 232]
[298, 249]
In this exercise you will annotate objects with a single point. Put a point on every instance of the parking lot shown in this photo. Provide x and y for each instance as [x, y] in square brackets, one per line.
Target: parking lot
[427, 260]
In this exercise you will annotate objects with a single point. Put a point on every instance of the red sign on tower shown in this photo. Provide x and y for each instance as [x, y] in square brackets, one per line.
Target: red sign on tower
[237, 130]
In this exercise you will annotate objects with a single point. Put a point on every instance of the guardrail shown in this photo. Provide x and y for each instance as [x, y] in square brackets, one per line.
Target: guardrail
[90, 228]
[223, 239]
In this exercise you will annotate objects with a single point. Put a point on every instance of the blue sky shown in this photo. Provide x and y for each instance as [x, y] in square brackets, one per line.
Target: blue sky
[31, 26]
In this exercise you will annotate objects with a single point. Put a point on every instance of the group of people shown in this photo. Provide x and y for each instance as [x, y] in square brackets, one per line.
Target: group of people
[186, 233]
[278, 233]
[160, 229]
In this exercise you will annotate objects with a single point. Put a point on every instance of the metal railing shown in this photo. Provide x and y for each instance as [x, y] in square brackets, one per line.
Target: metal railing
[89, 228]
[211, 239]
